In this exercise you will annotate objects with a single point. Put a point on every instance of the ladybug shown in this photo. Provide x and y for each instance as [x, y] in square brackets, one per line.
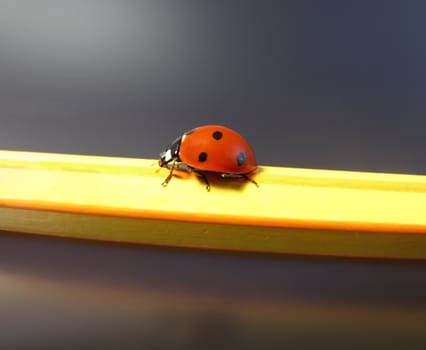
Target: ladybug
[210, 148]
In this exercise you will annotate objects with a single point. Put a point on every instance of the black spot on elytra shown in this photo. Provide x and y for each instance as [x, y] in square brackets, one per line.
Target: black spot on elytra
[202, 157]
[217, 135]
[241, 158]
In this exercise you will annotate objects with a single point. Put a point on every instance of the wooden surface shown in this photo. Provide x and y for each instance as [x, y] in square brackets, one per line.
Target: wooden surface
[297, 211]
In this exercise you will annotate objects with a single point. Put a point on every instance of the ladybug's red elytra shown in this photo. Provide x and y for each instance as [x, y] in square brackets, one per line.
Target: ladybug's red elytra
[210, 148]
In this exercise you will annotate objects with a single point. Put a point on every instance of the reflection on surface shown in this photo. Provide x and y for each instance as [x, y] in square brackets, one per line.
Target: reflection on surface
[55, 312]
[71, 293]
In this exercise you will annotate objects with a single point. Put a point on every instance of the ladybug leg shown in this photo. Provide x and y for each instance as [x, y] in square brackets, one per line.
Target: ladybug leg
[239, 176]
[169, 177]
[204, 177]
[185, 167]
[250, 179]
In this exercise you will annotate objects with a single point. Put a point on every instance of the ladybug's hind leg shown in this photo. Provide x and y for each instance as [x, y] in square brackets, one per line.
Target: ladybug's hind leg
[239, 176]
[250, 179]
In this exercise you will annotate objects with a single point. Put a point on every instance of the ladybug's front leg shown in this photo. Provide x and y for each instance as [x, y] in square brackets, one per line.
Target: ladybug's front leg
[184, 167]
[172, 166]
[169, 177]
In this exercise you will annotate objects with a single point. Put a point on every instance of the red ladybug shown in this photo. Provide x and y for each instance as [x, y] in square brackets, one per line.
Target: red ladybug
[210, 148]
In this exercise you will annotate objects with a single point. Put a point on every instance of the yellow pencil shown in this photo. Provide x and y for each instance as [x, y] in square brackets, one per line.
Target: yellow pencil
[294, 211]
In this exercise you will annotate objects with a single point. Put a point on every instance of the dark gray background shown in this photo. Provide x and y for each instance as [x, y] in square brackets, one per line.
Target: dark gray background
[319, 84]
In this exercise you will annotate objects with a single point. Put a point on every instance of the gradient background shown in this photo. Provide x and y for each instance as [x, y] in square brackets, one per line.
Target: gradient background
[317, 84]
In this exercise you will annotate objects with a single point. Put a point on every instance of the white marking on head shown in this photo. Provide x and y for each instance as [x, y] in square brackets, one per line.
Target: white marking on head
[168, 155]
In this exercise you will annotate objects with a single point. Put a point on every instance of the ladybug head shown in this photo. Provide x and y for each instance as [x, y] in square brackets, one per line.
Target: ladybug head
[171, 153]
